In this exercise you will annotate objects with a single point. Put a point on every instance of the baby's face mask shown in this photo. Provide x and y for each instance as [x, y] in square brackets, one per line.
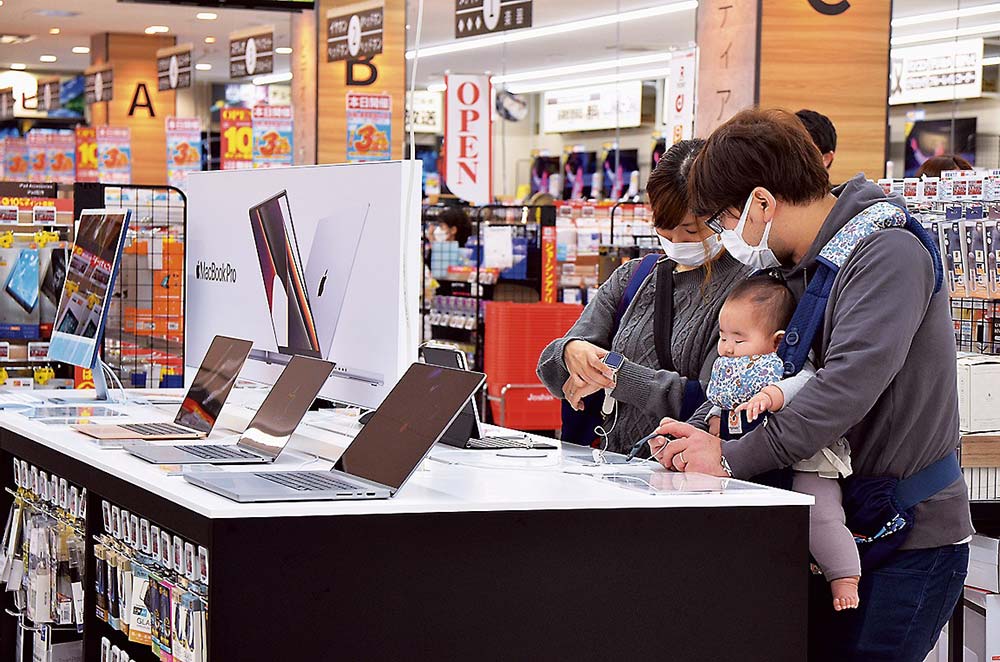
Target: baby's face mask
[736, 379]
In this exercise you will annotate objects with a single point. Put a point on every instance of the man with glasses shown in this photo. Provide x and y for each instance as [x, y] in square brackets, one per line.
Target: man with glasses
[872, 308]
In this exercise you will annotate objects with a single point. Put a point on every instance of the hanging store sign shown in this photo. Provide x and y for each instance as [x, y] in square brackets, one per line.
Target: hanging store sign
[236, 125]
[478, 17]
[592, 108]
[86, 154]
[251, 52]
[38, 143]
[183, 149]
[48, 95]
[354, 31]
[98, 86]
[114, 155]
[468, 138]
[678, 93]
[173, 67]
[938, 72]
[7, 103]
[60, 152]
[15, 156]
[369, 127]
[424, 112]
[272, 136]
[727, 37]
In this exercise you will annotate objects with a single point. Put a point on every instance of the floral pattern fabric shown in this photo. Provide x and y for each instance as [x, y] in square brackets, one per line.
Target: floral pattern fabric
[879, 216]
[736, 379]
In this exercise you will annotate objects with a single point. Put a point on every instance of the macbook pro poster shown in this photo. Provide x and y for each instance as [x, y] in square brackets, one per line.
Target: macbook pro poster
[309, 261]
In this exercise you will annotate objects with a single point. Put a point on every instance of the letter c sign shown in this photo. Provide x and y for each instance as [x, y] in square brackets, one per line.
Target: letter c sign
[830, 9]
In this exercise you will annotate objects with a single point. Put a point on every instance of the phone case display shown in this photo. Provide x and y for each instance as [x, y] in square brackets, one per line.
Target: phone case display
[19, 315]
[151, 586]
[42, 560]
[144, 339]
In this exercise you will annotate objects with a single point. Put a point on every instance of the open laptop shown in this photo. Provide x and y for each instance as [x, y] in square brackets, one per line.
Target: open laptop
[201, 405]
[381, 458]
[467, 430]
[268, 432]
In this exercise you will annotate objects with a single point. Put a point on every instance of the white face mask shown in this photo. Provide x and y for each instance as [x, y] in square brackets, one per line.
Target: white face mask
[439, 234]
[759, 256]
[691, 253]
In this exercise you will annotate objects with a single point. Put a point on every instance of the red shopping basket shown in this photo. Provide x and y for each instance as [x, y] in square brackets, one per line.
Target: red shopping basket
[516, 334]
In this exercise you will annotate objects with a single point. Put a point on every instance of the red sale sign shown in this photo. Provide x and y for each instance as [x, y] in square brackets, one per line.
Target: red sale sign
[468, 138]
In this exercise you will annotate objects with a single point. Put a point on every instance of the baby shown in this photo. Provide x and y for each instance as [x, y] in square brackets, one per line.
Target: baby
[746, 382]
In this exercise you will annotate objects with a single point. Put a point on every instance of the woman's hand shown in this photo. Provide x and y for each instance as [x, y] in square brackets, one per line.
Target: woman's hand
[576, 389]
[584, 360]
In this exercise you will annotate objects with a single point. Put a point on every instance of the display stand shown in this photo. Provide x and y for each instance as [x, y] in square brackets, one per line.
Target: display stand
[144, 337]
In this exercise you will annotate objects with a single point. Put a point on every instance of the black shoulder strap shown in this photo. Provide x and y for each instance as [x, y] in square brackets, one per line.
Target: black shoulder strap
[663, 313]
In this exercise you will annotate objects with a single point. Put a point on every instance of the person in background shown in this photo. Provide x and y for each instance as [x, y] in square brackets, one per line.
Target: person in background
[934, 166]
[451, 224]
[879, 321]
[645, 389]
[822, 132]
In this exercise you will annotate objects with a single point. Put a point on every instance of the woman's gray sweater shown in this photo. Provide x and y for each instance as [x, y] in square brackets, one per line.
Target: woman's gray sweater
[645, 392]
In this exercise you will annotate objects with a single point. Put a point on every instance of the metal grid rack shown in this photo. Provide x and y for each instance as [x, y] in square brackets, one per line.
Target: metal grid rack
[144, 336]
[454, 311]
[977, 325]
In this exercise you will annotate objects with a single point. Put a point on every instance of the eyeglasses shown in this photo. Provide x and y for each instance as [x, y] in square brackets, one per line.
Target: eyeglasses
[714, 222]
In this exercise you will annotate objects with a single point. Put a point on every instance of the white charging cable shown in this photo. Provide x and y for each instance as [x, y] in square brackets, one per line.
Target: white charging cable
[605, 435]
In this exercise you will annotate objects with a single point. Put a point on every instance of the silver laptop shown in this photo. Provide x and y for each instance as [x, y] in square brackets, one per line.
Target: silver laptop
[381, 458]
[201, 405]
[268, 432]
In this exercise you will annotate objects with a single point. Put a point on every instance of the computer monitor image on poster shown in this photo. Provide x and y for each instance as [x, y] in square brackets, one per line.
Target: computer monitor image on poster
[618, 167]
[926, 139]
[82, 312]
[309, 261]
[578, 175]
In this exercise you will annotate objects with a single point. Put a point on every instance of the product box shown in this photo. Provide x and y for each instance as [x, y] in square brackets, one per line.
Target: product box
[886, 186]
[975, 241]
[954, 252]
[982, 624]
[19, 299]
[984, 564]
[979, 393]
[929, 189]
[911, 189]
[991, 239]
[960, 189]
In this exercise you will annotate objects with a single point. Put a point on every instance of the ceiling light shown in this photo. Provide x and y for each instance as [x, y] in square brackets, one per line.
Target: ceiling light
[206, 16]
[934, 17]
[157, 29]
[550, 30]
[547, 86]
[272, 78]
[203, 66]
[47, 58]
[56, 13]
[583, 68]
[18, 66]
[991, 61]
[973, 31]
[12, 39]
[209, 40]
[81, 50]
[437, 87]
[283, 50]
[54, 30]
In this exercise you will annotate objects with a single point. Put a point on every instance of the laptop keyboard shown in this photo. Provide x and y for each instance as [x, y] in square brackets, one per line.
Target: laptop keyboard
[502, 442]
[217, 452]
[155, 429]
[307, 481]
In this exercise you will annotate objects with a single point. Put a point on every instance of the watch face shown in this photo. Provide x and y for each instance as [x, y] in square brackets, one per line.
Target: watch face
[614, 360]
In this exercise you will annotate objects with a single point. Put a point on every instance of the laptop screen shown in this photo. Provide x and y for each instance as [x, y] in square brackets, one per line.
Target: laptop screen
[286, 404]
[410, 420]
[466, 426]
[211, 386]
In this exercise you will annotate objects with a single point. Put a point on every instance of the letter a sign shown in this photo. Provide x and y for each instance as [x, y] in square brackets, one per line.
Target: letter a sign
[468, 138]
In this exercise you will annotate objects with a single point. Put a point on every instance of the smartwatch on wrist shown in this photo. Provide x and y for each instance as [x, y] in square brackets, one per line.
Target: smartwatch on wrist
[615, 361]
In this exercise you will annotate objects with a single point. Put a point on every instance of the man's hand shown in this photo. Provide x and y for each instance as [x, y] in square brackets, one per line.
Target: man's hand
[576, 389]
[690, 450]
[584, 360]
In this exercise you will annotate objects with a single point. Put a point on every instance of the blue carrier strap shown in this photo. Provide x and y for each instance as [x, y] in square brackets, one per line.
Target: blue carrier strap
[928, 481]
[638, 277]
[808, 316]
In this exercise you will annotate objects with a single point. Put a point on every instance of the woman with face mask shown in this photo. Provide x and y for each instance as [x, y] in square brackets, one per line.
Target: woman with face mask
[687, 287]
